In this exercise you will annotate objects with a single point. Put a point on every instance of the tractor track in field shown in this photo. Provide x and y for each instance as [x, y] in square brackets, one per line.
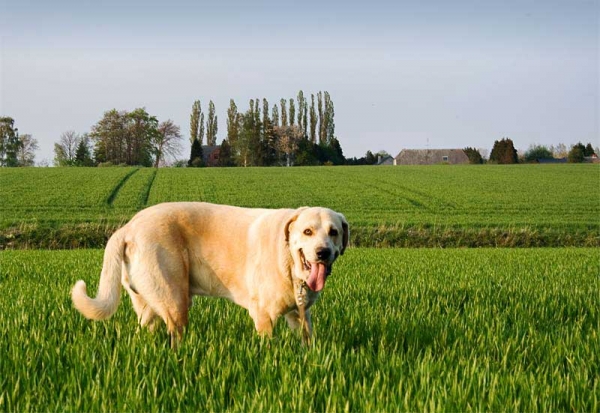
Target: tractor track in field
[113, 195]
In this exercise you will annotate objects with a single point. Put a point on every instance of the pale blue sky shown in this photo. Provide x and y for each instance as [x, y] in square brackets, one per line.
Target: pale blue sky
[402, 74]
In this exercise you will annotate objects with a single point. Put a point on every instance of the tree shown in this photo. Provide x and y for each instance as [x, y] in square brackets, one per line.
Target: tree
[65, 150]
[225, 155]
[473, 155]
[269, 140]
[306, 153]
[329, 122]
[196, 155]
[321, 118]
[301, 104]
[275, 115]
[9, 142]
[313, 120]
[370, 159]
[166, 142]
[124, 137]
[211, 125]
[142, 129]
[195, 121]
[26, 150]
[589, 150]
[536, 152]
[287, 142]
[83, 155]
[292, 112]
[284, 120]
[504, 152]
[232, 124]
[577, 153]
[560, 151]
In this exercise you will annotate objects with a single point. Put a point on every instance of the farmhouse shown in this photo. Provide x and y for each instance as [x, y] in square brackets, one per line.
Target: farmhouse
[431, 157]
[210, 155]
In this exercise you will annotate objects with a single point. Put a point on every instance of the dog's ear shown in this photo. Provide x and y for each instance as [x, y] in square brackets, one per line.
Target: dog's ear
[346, 236]
[288, 224]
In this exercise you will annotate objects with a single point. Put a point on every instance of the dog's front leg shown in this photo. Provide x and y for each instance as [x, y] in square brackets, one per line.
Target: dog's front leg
[263, 323]
[296, 321]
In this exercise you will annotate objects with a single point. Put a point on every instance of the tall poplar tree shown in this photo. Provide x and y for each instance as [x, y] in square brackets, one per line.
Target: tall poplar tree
[292, 112]
[232, 124]
[195, 121]
[301, 103]
[211, 125]
[275, 115]
[321, 118]
[284, 120]
[313, 120]
[329, 122]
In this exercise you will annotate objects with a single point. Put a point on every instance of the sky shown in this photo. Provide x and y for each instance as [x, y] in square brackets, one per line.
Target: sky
[401, 74]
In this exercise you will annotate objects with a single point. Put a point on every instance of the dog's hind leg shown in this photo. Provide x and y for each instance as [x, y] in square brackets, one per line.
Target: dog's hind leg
[146, 315]
[162, 283]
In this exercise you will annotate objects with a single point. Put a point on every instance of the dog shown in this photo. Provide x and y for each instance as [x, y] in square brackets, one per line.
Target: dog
[272, 262]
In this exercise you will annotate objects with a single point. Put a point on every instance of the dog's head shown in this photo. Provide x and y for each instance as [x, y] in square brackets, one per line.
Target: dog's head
[316, 237]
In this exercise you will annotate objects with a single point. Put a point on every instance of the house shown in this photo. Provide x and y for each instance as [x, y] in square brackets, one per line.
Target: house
[431, 157]
[210, 155]
[384, 160]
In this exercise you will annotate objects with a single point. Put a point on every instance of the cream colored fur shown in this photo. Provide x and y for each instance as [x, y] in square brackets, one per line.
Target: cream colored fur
[257, 258]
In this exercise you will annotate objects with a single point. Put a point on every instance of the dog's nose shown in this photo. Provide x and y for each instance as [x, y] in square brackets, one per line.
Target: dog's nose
[323, 253]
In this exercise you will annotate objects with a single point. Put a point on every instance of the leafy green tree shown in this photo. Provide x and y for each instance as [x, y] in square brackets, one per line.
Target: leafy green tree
[225, 155]
[196, 155]
[504, 152]
[577, 153]
[9, 142]
[83, 154]
[589, 150]
[211, 125]
[474, 155]
[269, 140]
[306, 153]
[370, 159]
[142, 129]
[536, 152]
[109, 136]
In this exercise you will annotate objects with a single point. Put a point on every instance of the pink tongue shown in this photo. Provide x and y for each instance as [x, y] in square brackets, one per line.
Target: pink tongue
[316, 279]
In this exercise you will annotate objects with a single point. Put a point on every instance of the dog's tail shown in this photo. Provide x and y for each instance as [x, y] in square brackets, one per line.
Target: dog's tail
[109, 290]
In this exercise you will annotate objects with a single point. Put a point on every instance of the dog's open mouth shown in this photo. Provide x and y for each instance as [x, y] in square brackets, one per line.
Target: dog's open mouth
[318, 273]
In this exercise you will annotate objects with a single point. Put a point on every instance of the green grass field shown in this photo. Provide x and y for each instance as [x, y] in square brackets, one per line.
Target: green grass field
[396, 329]
[536, 205]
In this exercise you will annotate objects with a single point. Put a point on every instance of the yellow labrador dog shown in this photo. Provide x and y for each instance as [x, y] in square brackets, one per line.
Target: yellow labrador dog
[272, 262]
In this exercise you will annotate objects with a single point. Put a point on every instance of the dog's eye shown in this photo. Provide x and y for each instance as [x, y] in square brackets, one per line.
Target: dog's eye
[307, 232]
[333, 232]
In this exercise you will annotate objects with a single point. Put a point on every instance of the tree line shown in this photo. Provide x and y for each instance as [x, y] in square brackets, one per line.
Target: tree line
[504, 152]
[290, 132]
[120, 138]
